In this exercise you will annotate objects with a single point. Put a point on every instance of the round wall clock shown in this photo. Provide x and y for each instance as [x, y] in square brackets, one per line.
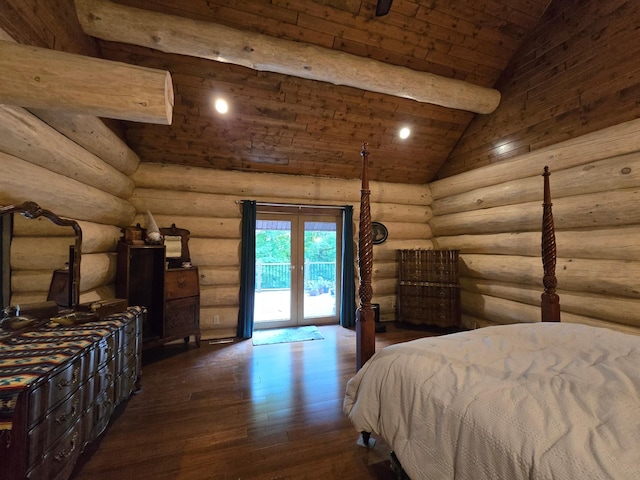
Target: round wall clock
[380, 232]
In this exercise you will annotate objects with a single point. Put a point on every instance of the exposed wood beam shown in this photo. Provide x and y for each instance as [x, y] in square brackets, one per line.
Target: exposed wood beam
[89, 132]
[173, 34]
[26, 136]
[36, 77]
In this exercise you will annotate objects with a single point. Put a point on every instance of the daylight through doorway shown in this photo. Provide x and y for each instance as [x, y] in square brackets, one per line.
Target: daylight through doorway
[298, 265]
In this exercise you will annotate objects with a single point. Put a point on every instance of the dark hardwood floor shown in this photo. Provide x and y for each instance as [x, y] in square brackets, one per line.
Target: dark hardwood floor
[238, 411]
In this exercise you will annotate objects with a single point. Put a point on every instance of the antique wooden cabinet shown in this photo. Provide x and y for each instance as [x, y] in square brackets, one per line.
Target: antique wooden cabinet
[60, 386]
[172, 295]
[181, 304]
[428, 288]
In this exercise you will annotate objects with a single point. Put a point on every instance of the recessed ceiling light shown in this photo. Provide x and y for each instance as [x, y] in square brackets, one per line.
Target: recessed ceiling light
[504, 148]
[222, 106]
[405, 132]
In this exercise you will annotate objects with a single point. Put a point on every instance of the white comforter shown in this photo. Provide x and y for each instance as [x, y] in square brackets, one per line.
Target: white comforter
[529, 401]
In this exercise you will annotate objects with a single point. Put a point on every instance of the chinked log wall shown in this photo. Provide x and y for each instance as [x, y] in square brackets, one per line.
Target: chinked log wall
[90, 184]
[493, 215]
[205, 202]
[201, 200]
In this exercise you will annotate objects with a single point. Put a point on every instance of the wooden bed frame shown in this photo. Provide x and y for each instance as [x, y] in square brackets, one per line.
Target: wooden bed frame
[365, 321]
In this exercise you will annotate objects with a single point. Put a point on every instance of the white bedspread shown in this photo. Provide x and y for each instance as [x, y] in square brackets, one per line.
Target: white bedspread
[529, 401]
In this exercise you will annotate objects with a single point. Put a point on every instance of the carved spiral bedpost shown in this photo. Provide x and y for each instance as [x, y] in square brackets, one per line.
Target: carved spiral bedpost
[365, 317]
[550, 300]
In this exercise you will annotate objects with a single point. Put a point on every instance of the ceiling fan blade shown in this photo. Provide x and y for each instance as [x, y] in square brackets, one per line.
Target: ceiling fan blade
[383, 7]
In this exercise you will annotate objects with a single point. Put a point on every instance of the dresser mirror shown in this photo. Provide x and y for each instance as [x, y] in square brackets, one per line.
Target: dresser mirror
[71, 275]
[176, 242]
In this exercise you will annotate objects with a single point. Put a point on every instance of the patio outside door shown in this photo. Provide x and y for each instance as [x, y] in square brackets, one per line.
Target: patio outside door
[298, 265]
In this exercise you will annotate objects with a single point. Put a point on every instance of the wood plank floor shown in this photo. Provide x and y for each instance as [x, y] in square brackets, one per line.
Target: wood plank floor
[238, 411]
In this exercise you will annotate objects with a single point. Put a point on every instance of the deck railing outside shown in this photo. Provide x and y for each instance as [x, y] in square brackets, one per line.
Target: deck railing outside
[276, 276]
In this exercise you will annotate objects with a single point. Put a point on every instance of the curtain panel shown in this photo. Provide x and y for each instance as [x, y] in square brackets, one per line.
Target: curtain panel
[348, 307]
[247, 270]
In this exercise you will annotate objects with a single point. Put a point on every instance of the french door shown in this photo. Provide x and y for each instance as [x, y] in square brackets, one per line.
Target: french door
[298, 265]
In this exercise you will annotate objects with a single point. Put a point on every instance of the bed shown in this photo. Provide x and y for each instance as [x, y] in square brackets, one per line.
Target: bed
[547, 400]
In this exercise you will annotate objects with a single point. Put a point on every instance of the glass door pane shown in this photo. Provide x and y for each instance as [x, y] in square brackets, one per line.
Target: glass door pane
[297, 269]
[273, 295]
[321, 255]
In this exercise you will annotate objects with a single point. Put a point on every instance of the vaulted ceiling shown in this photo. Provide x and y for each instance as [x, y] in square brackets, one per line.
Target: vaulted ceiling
[282, 123]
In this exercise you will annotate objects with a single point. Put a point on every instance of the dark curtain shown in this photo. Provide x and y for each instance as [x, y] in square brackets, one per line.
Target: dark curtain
[247, 270]
[348, 307]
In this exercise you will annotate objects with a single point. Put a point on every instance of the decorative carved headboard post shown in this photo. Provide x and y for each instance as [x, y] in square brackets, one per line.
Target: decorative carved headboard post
[365, 316]
[550, 300]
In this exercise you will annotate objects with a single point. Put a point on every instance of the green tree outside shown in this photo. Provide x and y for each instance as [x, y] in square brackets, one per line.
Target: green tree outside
[274, 246]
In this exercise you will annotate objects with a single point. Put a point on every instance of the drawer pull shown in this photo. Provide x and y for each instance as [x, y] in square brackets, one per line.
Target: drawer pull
[60, 456]
[67, 383]
[63, 417]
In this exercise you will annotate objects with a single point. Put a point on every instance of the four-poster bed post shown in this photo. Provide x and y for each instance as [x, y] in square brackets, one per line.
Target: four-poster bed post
[365, 322]
[550, 308]
[402, 414]
[365, 316]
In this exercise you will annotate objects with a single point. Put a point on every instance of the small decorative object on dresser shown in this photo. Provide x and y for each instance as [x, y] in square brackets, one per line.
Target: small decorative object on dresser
[153, 235]
[133, 235]
[104, 307]
[148, 275]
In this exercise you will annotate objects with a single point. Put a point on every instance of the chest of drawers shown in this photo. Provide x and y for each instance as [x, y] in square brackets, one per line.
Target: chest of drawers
[60, 387]
[171, 295]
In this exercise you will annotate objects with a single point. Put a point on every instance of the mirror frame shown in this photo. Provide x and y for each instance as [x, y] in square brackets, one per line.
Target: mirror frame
[32, 210]
[173, 231]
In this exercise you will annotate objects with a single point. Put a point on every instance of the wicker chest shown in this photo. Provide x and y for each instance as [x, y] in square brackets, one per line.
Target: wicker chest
[428, 288]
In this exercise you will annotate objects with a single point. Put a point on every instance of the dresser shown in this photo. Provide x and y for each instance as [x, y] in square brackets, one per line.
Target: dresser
[428, 288]
[59, 386]
[171, 295]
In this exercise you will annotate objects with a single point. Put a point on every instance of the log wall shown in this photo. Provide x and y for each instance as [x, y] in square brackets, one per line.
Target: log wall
[569, 101]
[83, 176]
[206, 202]
[74, 165]
[564, 98]
[203, 201]
[576, 73]
[78, 167]
[493, 215]
[38, 247]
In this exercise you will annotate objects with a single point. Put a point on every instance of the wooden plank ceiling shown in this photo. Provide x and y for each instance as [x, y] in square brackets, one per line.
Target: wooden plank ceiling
[289, 125]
